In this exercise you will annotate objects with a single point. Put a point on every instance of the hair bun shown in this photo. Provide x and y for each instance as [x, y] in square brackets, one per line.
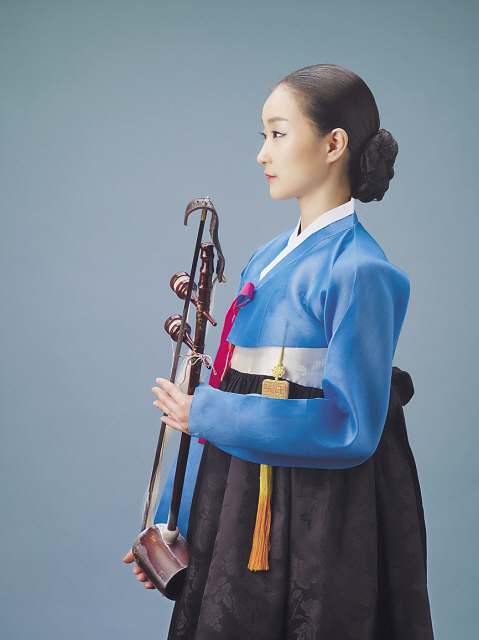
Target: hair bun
[377, 166]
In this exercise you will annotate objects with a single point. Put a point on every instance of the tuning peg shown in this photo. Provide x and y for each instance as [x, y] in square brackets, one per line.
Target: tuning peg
[172, 328]
[179, 283]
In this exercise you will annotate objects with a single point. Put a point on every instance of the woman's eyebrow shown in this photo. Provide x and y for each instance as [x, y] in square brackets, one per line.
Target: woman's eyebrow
[276, 119]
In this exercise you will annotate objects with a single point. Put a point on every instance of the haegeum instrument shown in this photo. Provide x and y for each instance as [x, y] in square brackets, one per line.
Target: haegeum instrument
[160, 550]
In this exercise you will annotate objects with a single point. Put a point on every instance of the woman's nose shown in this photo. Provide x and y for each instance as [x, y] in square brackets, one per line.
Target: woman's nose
[262, 156]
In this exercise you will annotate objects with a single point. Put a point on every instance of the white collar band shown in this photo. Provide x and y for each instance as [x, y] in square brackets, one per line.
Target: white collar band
[333, 215]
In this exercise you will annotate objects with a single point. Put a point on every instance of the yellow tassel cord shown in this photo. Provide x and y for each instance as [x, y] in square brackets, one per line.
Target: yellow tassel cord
[258, 560]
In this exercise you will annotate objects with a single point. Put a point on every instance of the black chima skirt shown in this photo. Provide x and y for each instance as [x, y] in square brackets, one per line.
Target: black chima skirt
[348, 546]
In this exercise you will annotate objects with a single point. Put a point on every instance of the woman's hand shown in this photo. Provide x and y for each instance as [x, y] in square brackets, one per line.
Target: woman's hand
[174, 403]
[137, 571]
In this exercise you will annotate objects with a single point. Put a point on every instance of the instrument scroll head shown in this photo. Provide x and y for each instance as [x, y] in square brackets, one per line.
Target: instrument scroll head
[206, 205]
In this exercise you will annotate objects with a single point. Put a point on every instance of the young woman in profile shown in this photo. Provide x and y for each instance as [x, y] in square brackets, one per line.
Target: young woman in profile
[347, 549]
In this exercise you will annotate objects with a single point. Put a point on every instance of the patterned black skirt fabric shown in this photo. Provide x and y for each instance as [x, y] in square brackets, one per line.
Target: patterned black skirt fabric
[348, 546]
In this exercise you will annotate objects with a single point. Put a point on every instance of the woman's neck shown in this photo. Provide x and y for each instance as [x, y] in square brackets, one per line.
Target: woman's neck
[316, 204]
[332, 193]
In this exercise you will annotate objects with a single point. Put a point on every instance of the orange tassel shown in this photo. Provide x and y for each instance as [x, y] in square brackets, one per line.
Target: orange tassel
[258, 560]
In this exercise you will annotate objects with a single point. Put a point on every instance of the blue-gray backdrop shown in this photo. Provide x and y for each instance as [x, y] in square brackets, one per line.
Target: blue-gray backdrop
[115, 114]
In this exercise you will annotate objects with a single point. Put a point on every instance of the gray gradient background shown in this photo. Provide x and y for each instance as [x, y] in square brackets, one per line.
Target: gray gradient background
[114, 115]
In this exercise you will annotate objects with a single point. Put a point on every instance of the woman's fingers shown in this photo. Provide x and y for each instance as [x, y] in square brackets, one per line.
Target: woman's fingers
[171, 403]
[173, 397]
[174, 403]
[175, 424]
[141, 577]
[129, 557]
[166, 404]
[174, 391]
[162, 402]
[163, 397]
[137, 571]
[170, 418]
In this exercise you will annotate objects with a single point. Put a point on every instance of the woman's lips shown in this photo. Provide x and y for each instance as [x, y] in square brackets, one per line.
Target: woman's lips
[269, 178]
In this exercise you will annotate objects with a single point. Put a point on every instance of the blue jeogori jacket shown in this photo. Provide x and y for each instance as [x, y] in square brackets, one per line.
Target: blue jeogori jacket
[335, 290]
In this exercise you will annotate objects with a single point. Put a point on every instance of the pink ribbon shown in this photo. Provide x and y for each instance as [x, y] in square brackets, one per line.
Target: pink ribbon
[225, 350]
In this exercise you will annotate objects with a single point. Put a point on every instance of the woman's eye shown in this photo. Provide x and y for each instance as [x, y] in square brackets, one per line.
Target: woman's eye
[275, 134]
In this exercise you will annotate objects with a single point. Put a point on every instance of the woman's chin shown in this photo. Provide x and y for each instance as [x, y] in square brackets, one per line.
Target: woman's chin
[277, 194]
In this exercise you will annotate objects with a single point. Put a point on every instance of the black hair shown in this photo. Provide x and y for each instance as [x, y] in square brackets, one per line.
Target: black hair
[333, 97]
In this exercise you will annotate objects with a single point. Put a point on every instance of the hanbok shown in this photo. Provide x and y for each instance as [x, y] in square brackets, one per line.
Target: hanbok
[348, 545]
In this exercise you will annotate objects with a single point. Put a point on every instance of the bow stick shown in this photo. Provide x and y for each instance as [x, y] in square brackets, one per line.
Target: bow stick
[205, 205]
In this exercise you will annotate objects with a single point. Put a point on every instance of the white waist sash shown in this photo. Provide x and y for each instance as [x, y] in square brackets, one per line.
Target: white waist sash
[302, 365]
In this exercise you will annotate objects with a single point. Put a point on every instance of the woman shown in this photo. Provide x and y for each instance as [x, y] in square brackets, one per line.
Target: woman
[347, 556]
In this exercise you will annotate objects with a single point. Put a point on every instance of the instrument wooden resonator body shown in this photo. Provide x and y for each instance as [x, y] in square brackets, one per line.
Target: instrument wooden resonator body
[164, 564]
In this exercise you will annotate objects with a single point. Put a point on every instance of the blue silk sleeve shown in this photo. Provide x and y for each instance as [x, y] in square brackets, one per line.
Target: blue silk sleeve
[362, 310]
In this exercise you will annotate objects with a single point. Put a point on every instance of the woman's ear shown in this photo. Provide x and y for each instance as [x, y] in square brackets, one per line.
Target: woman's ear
[337, 144]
